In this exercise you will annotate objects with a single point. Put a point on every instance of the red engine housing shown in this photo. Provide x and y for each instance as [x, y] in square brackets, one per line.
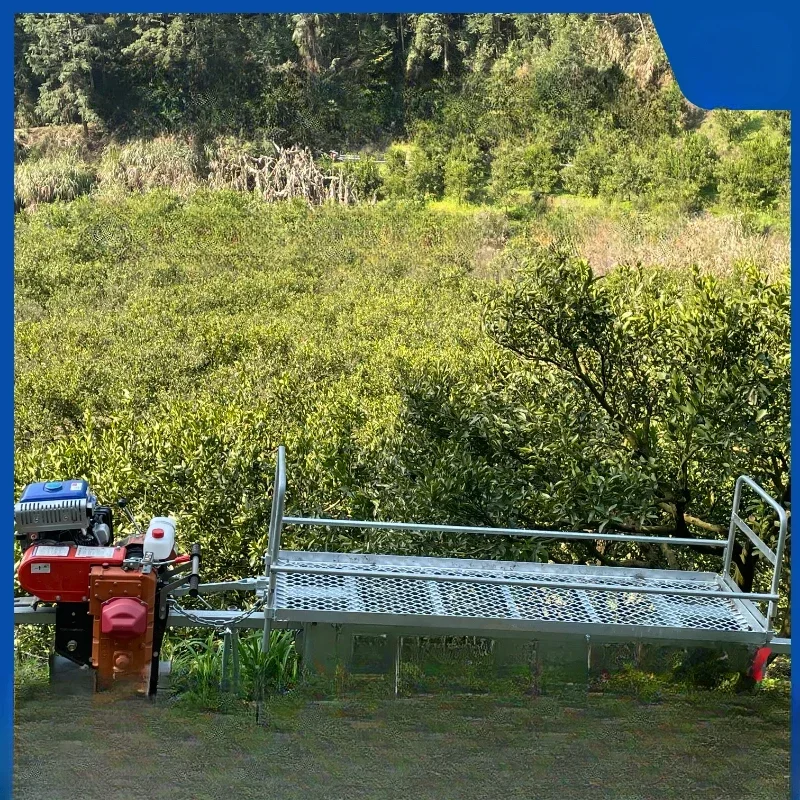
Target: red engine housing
[60, 573]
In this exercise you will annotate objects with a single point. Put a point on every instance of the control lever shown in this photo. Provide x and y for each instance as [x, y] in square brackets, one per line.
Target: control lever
[122, 503]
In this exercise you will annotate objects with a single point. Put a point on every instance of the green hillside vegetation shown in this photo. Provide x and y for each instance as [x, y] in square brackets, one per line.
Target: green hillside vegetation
[166, 346]
[475, 107]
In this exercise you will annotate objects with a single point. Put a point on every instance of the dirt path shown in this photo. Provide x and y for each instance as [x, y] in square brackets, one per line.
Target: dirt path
[431, 748]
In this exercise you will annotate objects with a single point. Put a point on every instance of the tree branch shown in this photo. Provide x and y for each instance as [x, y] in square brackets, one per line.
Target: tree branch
[606, 561]
[691, 520]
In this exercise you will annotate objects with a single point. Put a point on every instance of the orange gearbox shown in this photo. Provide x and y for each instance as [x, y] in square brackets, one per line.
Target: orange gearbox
[122, 603]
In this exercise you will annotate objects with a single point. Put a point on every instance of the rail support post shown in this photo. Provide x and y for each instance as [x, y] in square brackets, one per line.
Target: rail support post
[226, 660]
[235, 660]
[274, 546]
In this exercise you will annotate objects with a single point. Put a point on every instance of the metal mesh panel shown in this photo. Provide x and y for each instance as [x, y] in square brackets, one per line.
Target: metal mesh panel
[418, 597]
[507, 570]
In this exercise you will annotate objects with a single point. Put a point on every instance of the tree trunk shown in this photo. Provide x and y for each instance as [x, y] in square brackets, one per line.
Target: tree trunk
[746, 565]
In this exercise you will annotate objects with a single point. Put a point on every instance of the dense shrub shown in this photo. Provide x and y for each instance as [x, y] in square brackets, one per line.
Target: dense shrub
[154, 251]
[733, 124]
[427, 137]
[230, 327]
[424, 175]
[585, 174]
[757, 175]
[394, 172]
[592, 163]
[780, 121]
[531, 166]
[464, 174]
[679, 171]
[664, 363]
[631, 172]
[363, 177]
[648, 113]
[685, 171]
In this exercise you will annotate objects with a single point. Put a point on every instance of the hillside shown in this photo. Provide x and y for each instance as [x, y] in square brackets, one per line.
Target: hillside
[497, 108]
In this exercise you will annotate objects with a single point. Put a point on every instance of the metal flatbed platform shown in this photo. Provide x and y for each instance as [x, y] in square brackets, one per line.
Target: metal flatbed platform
[450, 596]
[469, 596]
[439, 596]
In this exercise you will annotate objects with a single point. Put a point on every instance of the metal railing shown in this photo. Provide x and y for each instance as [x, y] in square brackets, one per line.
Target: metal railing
[274, 543]
[774, 557]
[278, 520]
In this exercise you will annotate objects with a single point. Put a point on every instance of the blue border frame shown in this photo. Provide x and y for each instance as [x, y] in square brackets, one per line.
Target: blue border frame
[728, 54]
[7, 426]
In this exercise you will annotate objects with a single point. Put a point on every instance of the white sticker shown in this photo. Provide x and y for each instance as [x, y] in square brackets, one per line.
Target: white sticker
[40, 568]
[74, 486]
[95, 552]
[46, 550]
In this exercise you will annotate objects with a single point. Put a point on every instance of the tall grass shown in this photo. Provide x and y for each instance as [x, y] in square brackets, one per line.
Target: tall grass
[608, 235]
[140, 165]
[260, 671]
[197, 666]
[32, 144]
[61, 177]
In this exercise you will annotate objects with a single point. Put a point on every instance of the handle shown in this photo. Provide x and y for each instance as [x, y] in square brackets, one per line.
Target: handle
[194, 577]
[774, 557]
[122, 503]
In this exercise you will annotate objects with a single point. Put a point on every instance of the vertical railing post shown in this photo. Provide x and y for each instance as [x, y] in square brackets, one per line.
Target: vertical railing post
[737, 497]
[226, 659]
[235, 660]
[274, 544]
[776, 574]
[783, 520]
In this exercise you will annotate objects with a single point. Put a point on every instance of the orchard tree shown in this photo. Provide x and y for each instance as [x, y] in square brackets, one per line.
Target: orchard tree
[688, 378]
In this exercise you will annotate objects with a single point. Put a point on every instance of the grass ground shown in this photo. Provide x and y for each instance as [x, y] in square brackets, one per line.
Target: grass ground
[703, 745]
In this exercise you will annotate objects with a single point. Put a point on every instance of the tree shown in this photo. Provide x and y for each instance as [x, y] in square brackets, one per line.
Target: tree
[757, 176]
[532, 166]
[685, 171]
[687, 377]
[306, 34]
[464, 171]
[436, 38]
[64, 50]
[24, 79]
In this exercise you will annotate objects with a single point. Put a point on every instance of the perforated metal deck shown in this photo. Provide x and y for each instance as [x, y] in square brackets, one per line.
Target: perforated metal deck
[486, 595]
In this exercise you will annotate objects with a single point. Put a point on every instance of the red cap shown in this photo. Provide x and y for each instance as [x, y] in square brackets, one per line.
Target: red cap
[157, 533]
[123, 618]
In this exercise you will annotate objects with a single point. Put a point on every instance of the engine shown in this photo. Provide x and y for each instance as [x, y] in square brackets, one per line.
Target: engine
[62, 511]
[110, 599]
